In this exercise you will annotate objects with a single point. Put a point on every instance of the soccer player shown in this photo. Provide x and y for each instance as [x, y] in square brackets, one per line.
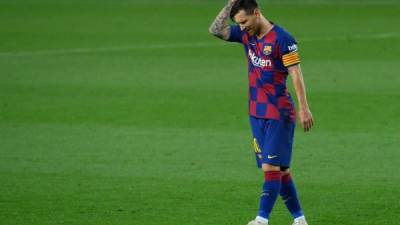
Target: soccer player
[272, 55]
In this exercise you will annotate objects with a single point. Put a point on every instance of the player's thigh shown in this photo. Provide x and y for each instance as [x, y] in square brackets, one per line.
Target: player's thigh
[278, 142]
[258, 128]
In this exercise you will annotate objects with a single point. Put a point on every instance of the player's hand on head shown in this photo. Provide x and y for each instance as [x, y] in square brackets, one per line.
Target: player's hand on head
[306, 119]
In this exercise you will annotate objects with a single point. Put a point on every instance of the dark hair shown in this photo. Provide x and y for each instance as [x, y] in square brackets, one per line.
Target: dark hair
[247, 5]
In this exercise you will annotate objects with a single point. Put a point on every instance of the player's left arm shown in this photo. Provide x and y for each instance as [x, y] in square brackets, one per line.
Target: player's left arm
[306, 118]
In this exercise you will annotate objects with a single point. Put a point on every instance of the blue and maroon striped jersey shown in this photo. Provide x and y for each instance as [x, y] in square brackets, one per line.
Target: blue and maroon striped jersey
[268, 60]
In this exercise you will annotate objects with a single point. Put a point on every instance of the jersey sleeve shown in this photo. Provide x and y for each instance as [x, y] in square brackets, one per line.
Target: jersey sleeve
[289, 50]
[236, 34]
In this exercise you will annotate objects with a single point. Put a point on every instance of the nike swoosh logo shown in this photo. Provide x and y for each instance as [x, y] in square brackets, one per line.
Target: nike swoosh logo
[254, 44]
[272, 156]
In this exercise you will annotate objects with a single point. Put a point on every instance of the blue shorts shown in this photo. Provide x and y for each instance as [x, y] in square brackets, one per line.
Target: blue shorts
[272, 141]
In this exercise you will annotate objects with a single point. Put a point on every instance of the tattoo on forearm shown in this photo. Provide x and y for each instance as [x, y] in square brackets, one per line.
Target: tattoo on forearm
[220, 26]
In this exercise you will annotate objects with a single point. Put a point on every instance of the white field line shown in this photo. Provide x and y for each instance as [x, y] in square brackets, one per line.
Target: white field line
[204, 2]
[329, 2]
[350, 37]
[110, 49]
[186, 45]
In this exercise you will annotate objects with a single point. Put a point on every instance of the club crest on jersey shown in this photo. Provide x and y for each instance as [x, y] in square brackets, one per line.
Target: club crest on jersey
[267, 50]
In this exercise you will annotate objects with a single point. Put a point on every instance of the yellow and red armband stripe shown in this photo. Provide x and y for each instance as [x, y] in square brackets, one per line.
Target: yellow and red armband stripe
[291, 59]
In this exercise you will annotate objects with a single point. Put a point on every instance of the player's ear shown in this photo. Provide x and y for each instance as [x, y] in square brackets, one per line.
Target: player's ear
[257, 12]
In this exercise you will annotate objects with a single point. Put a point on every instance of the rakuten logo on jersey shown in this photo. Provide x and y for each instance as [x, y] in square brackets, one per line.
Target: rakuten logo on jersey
[292, 48]
[259, 62]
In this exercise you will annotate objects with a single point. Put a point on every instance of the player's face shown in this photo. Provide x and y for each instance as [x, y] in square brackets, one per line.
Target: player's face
[248, 22]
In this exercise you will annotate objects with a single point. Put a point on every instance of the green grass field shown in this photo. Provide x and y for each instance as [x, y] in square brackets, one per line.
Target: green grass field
[129, 113]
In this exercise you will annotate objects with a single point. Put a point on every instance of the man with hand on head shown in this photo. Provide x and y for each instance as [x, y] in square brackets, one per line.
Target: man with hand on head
[272, 55]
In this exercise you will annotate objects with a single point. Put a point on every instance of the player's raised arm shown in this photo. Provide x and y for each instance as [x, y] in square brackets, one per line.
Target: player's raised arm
[306, 118]
[220, 27]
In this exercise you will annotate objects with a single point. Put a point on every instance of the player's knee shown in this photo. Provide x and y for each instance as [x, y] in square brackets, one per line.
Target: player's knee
[285, 171]
[268, 167]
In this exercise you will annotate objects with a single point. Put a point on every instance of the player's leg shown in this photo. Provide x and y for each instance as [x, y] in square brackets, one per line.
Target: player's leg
[288, 189]
[272, 158]
[265, 133]
[277, 152]
[270, 189]
[289, 196]
[270, 192]
[258, 127]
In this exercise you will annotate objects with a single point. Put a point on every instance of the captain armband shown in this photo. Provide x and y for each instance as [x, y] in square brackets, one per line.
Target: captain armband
[291, 59]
